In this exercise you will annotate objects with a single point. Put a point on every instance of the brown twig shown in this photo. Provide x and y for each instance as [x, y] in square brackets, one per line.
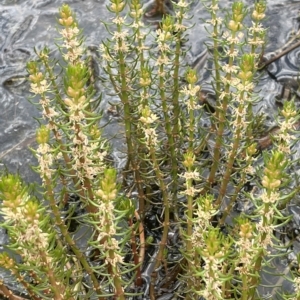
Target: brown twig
[138, 277]
[157, 9]
[7, 293]
[276, 57]
[266, 141]
[142, 238]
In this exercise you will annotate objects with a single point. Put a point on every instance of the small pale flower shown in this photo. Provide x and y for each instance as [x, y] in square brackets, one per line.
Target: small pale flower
[162, 60]
[121, 47]
[182, 3]
[214, 7]
[232, 54]
[256, 42]
[191, 175]
[40, 87]
[120, 35]
[118, 20]
[230, 69]
[272, 198]
[190, 191]
[69, 33]
[190, 90]
[179, 27]
[149, 119]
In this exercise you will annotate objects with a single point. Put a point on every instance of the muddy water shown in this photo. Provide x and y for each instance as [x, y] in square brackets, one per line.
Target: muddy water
[25, 24]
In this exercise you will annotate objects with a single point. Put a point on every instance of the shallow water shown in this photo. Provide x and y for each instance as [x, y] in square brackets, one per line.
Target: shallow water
[25, 24]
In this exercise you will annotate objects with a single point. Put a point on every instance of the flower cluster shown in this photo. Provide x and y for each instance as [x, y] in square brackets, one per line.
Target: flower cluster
[40, 87]
[272, 180]
[215, 20]
[204, 212]
[31, 236]
[246, 248]
[136, 12]
[283, 137]
[214, 254]
[148, 119]
[87, 155]
[71, 35]
[106, 241]
[256, 33]
[44, 153]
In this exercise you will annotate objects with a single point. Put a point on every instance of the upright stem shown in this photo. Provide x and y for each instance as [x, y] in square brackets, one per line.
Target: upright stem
[166, 206]
[129, 124]
[177, 138]
[169, 133]
[232, 157]
[221, 110]
[69, 239]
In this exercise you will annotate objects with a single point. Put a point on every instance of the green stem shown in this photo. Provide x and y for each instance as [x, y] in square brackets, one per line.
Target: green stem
[245, 287]
[129, 122]
[56, 286]
[232, 156]
[216, 59]
[220, 118]
[64, 231]
[166, 206]
[189, 183]
[254, 281]
[170, 136]
[177, 137]
[115, 274]
[229, 206]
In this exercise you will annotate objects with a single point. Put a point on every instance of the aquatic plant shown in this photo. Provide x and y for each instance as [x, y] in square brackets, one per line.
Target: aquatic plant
[164, 224]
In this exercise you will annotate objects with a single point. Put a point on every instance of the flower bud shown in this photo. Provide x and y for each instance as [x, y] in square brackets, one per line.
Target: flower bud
[82, 100]
[31, 211]
[289, 109]
[238, 12]
[246, 230]
[108, 186]
[270, 184]
[32, 67]
[245, 76]
[7, 262]
[68, 102]
[168, 24]
[257, 16]
[234, 25]
[259, 11]
[95, 132]
[145, 79]
[247, 62]
[189, 159]
[11, 190]
[273, 172]
[260, 6]
[251, 150]
[117, 6]
[65, 14]
[71, 92]
[66, 22]
[43, 135]
[191, 76]
[36, 78]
